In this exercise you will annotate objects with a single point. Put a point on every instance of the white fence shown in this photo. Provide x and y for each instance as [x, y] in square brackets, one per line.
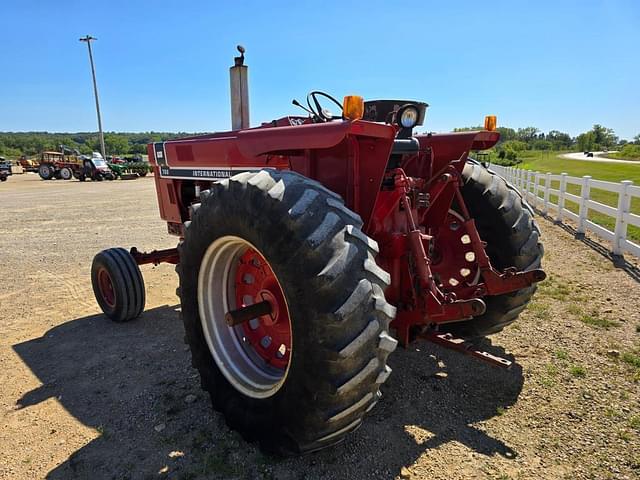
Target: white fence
[536, 188]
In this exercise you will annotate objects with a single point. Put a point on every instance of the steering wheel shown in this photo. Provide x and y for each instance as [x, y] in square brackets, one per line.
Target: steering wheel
[322, 113]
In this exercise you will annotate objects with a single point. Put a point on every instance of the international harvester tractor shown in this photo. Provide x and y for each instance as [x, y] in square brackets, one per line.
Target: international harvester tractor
[310, 246]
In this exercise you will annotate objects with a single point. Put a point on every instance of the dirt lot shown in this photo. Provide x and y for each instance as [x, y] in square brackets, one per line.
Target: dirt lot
[82, 397]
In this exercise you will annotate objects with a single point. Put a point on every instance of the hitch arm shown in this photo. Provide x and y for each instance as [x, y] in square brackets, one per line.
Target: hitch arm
[458, 344]
[170, 255]
[498, 283]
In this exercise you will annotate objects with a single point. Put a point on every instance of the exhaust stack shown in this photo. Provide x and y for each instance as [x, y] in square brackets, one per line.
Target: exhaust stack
[239, 77]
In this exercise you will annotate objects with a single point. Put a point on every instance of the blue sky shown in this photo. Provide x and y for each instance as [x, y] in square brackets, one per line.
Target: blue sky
[163, 65]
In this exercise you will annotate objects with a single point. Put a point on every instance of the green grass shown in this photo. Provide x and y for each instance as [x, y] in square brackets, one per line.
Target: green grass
[574, 309]
[543, 162]
[552, 162]
[632, 359]
[612, 413]
[556, 289]
[578, 371]
[634, 422]
[595, 320]
[538, 310]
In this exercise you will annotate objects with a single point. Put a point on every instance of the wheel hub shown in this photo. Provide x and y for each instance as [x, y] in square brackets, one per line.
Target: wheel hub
[454, 259]
[105, 285]
[255, 354]
[269, 335]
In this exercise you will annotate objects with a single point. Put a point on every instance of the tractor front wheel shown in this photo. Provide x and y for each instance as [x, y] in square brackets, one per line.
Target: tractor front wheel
[284, 310]
[513, 240]
[117, 284]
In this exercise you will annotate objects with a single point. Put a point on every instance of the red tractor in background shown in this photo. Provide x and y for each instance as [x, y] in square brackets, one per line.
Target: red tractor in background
[311, 245]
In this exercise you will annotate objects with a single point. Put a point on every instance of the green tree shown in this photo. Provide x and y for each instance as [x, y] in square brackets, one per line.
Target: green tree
[116, 144]
[506, 134]
[586, 141]
[515, 145]
[559, 140]
[604, 137]
[527, 134]
[541, 144]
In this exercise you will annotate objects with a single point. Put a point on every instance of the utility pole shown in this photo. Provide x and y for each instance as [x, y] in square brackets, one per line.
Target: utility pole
[88, 39]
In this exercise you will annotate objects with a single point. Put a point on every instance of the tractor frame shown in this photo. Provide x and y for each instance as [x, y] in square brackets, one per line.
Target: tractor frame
[401, 207]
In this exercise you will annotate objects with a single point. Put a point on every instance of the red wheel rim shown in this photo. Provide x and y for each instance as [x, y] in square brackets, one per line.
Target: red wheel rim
[268, 335]
[106, 287]
[454, 259]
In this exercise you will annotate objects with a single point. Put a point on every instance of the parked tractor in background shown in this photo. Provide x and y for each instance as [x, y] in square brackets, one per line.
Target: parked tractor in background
[128, 167]
[5, 169]
[68, 164]
[311, 245]
[95, 168]
[60, 165]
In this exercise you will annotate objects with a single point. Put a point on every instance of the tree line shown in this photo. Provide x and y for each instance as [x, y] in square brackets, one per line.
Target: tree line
[514, 141]
[13, 145]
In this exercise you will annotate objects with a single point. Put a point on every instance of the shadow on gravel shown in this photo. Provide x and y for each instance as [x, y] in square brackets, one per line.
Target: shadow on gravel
[618, 261]
[134, 384]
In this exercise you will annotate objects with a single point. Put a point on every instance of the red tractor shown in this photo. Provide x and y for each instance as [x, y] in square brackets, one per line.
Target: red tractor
[311, 245]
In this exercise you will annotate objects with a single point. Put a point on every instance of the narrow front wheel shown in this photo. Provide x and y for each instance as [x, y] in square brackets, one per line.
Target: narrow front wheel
[117, 284]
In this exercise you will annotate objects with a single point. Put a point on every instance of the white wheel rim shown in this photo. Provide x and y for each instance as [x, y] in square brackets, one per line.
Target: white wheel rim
[237, 360]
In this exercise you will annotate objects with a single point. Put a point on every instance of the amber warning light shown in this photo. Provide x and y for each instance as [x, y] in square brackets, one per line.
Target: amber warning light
[353, 107]
[490, 122]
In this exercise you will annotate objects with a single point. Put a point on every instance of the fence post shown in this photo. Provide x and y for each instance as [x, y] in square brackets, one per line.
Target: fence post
[536, 179]
[547, 186]
[624, 205]
[529, 174]
[563, 189]
[584, 208]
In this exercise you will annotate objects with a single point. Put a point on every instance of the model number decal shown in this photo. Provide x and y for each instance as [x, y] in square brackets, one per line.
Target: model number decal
[215, 174]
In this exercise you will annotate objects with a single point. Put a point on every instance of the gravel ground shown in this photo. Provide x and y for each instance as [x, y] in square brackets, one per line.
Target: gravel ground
[83, 397]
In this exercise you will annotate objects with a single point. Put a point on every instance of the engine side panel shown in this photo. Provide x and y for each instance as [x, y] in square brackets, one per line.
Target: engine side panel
[349, 158]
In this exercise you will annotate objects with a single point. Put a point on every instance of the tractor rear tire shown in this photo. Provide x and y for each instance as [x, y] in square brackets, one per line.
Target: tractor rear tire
[512, 236]
[66, 173]
[118, 284]
[334, 308]
[45, 171]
